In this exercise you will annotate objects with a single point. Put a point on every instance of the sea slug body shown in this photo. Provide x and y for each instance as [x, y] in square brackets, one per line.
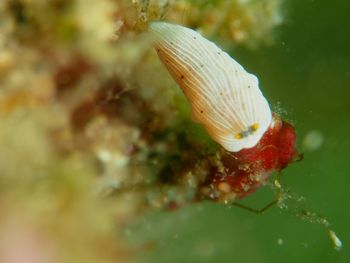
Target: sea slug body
[224, 97]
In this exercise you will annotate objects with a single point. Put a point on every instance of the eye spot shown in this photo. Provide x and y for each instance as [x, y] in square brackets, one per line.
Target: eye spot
[249, 131]
[182, 76]
[202, 111]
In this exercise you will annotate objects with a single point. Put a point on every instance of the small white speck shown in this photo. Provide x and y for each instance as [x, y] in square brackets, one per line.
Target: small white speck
[313, 140]
[280, 241]
[104, 156]
[277, 184]
[336, 241]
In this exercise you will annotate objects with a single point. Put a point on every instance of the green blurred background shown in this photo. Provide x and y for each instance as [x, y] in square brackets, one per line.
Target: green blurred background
[306, 73]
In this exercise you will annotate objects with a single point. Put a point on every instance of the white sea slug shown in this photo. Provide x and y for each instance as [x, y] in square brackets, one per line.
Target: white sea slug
[224, 97]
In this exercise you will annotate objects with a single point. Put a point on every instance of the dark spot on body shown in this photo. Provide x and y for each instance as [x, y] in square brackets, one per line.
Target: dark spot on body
[182, 76]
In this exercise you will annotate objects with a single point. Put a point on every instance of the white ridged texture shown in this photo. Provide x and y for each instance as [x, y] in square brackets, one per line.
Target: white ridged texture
[224, 97]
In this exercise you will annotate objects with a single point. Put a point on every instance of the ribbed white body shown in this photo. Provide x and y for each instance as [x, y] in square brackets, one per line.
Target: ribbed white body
[224, 97]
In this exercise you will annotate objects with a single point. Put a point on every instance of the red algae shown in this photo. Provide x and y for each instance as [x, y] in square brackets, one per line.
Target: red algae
[242, 173]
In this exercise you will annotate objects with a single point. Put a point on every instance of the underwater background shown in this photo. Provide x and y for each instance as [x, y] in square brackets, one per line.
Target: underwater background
[306, 72]
[94, 133]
